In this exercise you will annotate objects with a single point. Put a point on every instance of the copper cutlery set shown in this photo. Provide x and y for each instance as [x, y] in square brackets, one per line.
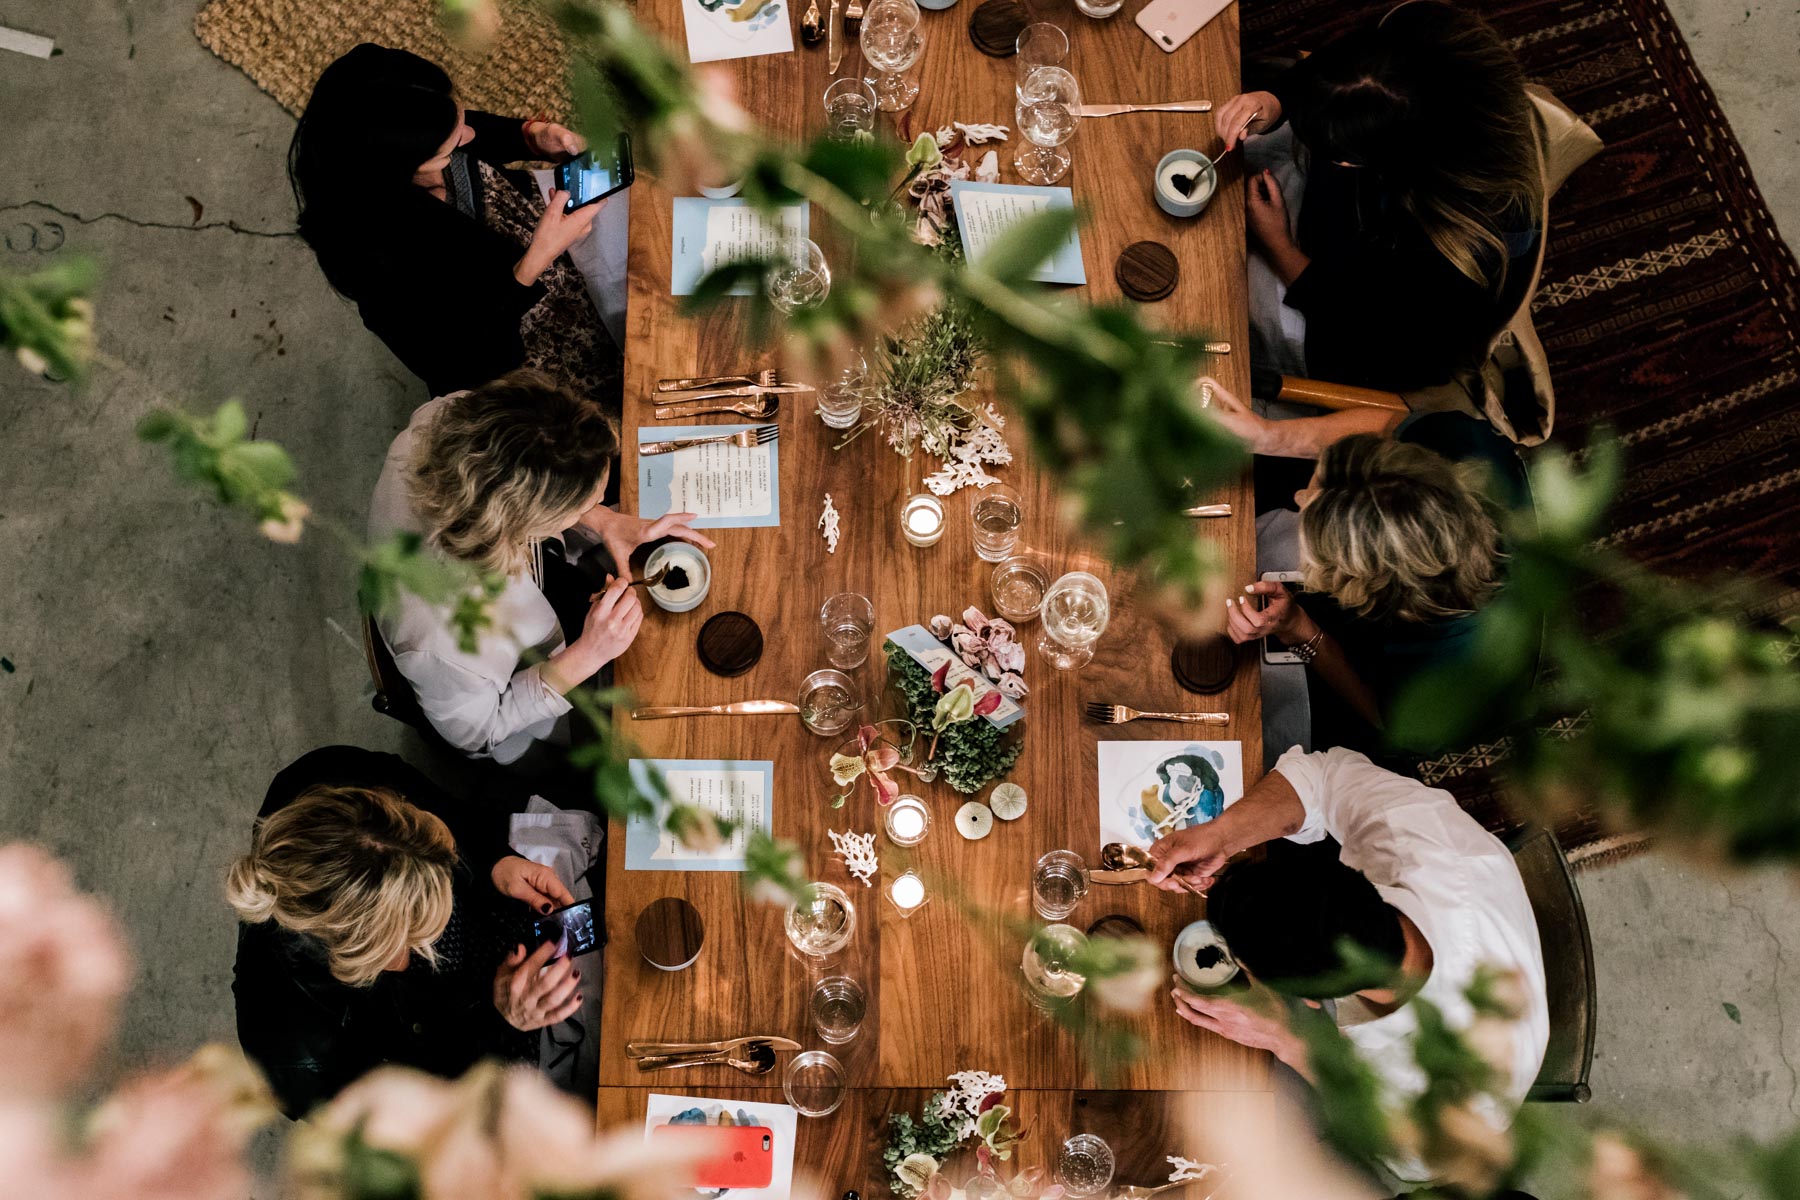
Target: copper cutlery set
[750, 395]
[753, 1054]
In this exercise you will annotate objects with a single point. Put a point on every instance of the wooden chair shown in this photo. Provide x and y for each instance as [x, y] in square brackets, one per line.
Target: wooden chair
[394, 696]
[1568, 966]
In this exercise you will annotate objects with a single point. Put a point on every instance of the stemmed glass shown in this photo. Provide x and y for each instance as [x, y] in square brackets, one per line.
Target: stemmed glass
[1046, 114]
[892, 43]
[1075, 613]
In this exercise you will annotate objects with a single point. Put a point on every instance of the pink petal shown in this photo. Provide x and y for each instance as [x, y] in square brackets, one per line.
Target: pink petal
[985, 1159]
[882, 758]
[866, 736]
[988, 1101]
[987, 704]
[938, 677]
[885, 788]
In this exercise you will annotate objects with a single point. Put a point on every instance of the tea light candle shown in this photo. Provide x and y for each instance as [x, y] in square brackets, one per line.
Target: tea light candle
[907, 893]
[907, 821]
[922, 519]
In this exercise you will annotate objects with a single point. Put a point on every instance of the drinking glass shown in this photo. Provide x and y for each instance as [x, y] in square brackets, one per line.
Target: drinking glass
[1046, 113]
[824, 925]
[802, 281]
[1075, 613]
[841, 401]
[838, 1004]
[1058, 883]
[1040, 44]
[828, 702]
[813, 1083]
[847, 620]
[997, 514]
[892, 43]
[849, 108]
[1049, 981]
[1099, 8]
[1084, 1165]
[1019, 585]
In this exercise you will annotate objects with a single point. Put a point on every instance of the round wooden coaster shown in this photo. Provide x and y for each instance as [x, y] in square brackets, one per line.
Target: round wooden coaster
[1147, 271]
[1115, 925]
[1204, 665]
[994, 27]
[670, 933]
[729, 644]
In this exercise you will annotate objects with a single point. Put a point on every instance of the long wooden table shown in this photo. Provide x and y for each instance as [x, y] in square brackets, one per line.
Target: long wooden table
[943, 988]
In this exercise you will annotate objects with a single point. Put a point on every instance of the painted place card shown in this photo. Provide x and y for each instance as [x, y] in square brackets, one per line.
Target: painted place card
[738, 791]
[984, 211]
[780, 1120]
[719, 29]
[1149, 789]
[725, 487]
[707, 234]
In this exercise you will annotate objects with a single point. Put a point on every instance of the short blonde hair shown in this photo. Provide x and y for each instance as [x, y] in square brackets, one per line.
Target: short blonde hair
[1397, 532]
[506, 465]
[360, 869]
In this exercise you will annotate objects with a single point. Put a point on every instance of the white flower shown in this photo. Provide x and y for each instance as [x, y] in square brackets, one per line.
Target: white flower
[32, 361]
[1135, 975]
[289, 522]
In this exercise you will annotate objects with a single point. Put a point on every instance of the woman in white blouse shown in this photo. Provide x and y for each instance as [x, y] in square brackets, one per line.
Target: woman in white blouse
[487, 477]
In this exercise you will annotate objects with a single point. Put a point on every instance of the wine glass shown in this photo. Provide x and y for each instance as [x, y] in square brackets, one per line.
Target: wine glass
[801, 280]
[1075, 613]
[892, 43]
[824, 924]
[1040, 44]
[1046, 113]
[1050, 978]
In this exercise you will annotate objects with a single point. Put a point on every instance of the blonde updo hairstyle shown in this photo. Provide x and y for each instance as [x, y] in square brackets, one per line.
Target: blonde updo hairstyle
[506, 465]
[360, 869]
[1397, 532]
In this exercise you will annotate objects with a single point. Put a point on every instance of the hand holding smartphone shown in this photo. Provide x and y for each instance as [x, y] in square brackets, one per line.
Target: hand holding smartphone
[572, 927]
[1273, 651]
[593, 175]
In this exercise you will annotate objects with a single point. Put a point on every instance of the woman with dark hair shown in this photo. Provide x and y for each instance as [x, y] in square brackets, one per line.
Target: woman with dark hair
[1422, 203]
[454, 262]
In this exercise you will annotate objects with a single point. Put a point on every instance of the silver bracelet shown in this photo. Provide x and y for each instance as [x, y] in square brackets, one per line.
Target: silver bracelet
[1309, 649]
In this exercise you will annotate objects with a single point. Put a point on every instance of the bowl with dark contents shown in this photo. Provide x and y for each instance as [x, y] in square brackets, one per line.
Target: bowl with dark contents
[686, 576]
[1185, 180]
[1201, 958]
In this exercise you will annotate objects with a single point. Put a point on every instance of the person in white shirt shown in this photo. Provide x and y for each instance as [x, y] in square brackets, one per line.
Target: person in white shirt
[487, 477]
[1418, 882]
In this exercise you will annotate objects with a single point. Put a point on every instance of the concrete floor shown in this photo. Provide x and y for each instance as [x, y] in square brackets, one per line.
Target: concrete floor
[168, 660]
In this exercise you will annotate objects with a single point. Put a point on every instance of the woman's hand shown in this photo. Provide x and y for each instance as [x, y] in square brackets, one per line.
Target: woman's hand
[533, 883]
[547, 139]
[1236, 416]
[612, 623]
[1280, 618]
[532, 992]
[1244, 1026]
[1260, 109]
[622, 534]
[556, 231]
[1266, 214]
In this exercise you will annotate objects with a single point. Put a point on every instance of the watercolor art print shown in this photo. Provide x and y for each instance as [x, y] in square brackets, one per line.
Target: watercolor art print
[718, 29]
[1150, 789]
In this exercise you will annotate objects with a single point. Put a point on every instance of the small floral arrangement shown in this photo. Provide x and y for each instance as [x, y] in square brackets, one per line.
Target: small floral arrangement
[968, 753]
[876, 755]
[966, 1115]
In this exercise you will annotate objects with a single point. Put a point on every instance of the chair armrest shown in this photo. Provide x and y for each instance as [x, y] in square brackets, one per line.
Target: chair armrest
[1338, 396]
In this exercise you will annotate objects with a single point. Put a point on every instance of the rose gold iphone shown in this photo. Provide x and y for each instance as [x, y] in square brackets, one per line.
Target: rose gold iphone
[1172, 22]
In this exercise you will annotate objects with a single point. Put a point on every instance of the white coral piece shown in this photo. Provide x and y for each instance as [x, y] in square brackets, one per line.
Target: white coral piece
[828, 524]
[960, 1105]
[1187, 1170]
[945, 136]
[988, 169]
[976, 134]
[858, 851]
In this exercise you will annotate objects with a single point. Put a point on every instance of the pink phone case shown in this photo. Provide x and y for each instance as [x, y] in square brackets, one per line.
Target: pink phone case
[1170, 23]
[737, 1156]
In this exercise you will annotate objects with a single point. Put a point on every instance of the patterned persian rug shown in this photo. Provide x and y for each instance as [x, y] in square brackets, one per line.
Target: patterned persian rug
[1669, 308]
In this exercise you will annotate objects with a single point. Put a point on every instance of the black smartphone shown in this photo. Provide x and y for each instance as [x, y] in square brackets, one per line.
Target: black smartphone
[573, 927]
[591, 176]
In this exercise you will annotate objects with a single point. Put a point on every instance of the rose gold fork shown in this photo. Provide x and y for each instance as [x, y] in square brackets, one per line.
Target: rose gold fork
[743, 439]
[770, 377]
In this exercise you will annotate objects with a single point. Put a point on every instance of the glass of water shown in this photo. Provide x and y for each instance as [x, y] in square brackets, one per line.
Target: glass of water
[841, 401]
[1058, 883]
[838, 1004]
[849, 108]
[1046, 113]
[892, 43]
[801, 281]
[813, 1083]
[1049, 978]
[1075, 613]
[1084, 1165]
[997, 514]
[847, 620]
[828, 702]
[825, 924]
[1019, 586]
[1040, 44]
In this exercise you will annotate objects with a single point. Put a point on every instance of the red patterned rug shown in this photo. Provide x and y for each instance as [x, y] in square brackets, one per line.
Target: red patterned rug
[1670, 308]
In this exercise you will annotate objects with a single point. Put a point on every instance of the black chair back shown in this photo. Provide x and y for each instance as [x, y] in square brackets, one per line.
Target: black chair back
[1568, 966]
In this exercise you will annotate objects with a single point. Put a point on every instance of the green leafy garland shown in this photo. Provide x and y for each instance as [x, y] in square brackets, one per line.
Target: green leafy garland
[970, 754]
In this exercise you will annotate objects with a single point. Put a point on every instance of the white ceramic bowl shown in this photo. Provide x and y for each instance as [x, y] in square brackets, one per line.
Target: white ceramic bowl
[1189, 942]
[1173, 202]
[689, 558]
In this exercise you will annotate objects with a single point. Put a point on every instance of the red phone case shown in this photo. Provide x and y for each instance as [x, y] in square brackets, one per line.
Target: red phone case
[736, 1156]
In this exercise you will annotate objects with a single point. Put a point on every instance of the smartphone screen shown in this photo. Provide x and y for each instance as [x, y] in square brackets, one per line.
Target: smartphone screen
[572, 926]
[592, 175]
[1273, 650]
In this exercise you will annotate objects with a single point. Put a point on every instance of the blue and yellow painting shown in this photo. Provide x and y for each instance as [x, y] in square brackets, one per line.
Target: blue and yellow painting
[1178, 791]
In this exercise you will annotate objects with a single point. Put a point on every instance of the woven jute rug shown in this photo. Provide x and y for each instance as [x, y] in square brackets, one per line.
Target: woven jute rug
[283, 46]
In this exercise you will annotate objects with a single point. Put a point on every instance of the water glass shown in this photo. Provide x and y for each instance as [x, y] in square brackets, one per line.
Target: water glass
[838, 1004]
[1084, 1165]
[1019, 586]
[1049, 979]
[824, 925]
[841, 401]
[813, 1083]
[847, 620]
[1046, 113]
[828, 702]
[1040, 44]
[1058, 883]
[996, 513]
[891, 43]
[849, 108]
[801, 282]
[1075, 613]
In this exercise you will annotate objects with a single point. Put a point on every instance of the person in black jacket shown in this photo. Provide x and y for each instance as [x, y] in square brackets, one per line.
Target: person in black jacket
[454, 262]
[1419, 224]
[376, 929]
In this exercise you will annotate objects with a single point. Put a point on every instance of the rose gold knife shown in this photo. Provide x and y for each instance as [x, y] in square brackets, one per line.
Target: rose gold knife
[835, 47]
[741, 708]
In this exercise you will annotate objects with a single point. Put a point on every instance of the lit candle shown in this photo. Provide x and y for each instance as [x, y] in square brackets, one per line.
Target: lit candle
[907, 892]
[922, 519]
[907, 821]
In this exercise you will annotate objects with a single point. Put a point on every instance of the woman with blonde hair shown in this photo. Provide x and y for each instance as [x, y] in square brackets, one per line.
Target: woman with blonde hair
[377, 919]
[510, 478]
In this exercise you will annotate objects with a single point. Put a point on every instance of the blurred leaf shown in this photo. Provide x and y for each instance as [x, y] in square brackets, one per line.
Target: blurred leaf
[725, 279]
[1027, 245]
[1731, 1010]
[863, 169]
